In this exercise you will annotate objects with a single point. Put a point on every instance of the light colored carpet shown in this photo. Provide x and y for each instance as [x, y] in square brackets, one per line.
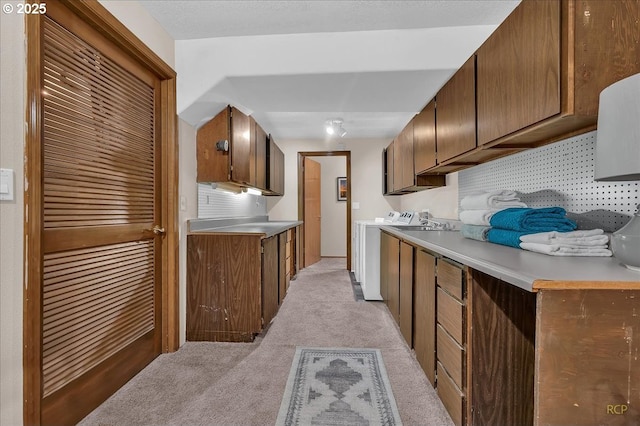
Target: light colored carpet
[243, 383]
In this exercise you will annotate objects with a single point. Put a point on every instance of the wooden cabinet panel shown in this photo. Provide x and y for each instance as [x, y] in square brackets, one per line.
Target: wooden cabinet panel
[385, 240]
[406, 292]
[450, 278]
[242, 160]
[518, 71]
[456, 113]
[450, 315]
[609, 48]
[503, 358]
[270, 279]
[451, 356]
[390, 170]
[275, 173]
[587, 356]
[223, 287]
[424, 138]
[405, 138]
[452, 398]
[424, 315]
[392, 282]
[213, 165]
[261, 157]
[282, 267]
[397, 164]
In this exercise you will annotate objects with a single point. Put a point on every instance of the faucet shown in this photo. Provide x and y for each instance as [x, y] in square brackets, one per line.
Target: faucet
[433, 224]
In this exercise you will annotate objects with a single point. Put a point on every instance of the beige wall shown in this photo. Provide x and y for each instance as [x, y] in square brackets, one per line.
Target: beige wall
[12, 122]
[366, 183]
[441, 202]
[334, 213]
[12, 108]
[188, 208]
[366, 178]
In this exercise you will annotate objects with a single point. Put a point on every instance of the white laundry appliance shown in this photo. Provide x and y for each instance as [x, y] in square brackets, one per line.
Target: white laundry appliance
[366, 250]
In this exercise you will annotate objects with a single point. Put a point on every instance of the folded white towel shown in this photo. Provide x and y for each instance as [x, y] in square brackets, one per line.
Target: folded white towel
[500, 199]
[477, 217]
[590, 238]
[561, 250]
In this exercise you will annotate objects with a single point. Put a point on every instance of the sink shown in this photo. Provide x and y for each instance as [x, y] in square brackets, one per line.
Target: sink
[421, 228]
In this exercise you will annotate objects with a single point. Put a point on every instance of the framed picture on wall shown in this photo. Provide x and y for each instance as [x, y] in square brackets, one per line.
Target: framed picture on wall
[342, 188]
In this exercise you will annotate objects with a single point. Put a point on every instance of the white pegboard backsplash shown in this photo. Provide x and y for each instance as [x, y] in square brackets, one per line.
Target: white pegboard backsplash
[559, 174]
[215, 203]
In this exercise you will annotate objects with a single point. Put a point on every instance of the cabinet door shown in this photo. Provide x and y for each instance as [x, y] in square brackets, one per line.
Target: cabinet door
[242, 153]
[397, 164]
[518, 71]
[213, 165]
[275, 173]
[424, 138]
[223, 287]
[270, 282]
[406, 146]
[406, 292]
[393, 278]
[261, 157]
[424, 316]
[390, 171]
[282, 266]
[456, 113]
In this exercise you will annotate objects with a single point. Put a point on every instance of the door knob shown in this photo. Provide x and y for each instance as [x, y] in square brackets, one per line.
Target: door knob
[158, 230]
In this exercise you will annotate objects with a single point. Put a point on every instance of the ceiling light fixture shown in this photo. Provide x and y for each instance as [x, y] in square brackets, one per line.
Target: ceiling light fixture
[334, 127]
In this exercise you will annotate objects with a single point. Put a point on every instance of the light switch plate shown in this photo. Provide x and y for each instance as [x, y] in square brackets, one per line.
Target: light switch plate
[6, 185]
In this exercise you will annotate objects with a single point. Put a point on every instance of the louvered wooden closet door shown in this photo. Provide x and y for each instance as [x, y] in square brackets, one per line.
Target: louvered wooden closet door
[101, 281]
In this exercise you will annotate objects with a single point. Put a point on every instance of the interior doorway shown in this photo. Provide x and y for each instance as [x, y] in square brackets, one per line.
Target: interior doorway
[304, 206]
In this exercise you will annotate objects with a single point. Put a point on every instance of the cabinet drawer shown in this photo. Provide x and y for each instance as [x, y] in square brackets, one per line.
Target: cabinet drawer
[450, 279]
[450, 315]
[288, 250]
[452, 398]
[451, 355]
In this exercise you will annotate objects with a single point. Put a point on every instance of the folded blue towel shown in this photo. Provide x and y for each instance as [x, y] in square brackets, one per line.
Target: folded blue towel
[505, 237]
[533, 220]
[475, 232]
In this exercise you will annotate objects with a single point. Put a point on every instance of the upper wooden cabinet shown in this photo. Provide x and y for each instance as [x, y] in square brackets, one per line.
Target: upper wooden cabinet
[519, 71]
[456, 113]
[261, 141]
[233, 149]
[424, 138]
[401, 169]
[387, 167]
[540, 74]
[275, 169]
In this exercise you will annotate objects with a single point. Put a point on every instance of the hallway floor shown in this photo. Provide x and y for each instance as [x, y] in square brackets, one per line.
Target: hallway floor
[207, 383]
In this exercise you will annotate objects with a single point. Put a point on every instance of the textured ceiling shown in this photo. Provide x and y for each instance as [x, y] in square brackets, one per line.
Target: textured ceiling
[295, 64]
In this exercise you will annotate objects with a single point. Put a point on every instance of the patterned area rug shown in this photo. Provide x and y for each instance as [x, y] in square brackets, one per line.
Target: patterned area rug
[338, 386]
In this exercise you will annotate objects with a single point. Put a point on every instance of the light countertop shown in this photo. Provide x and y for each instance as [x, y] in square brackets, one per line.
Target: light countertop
[527, 270]
[266, 228]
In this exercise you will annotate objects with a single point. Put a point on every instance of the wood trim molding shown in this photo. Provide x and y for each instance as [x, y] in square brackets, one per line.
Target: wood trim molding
[33, 200]
[93, 13]
[301, 157]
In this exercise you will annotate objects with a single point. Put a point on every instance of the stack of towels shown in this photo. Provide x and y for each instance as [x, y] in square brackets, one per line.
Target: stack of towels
[500, 217]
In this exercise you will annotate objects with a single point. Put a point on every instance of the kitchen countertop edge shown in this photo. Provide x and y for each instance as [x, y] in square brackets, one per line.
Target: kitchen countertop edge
[530, 275]
[267, 229]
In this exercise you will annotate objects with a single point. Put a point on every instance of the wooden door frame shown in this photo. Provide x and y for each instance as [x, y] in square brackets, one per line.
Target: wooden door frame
[94, 14]
[301, 156]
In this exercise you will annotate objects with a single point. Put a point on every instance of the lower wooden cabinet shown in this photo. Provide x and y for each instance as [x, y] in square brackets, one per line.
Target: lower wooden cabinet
[390, 274]
[424, 313]
[406, 292]
[271, 278]
[451, 339]
[235, 284]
